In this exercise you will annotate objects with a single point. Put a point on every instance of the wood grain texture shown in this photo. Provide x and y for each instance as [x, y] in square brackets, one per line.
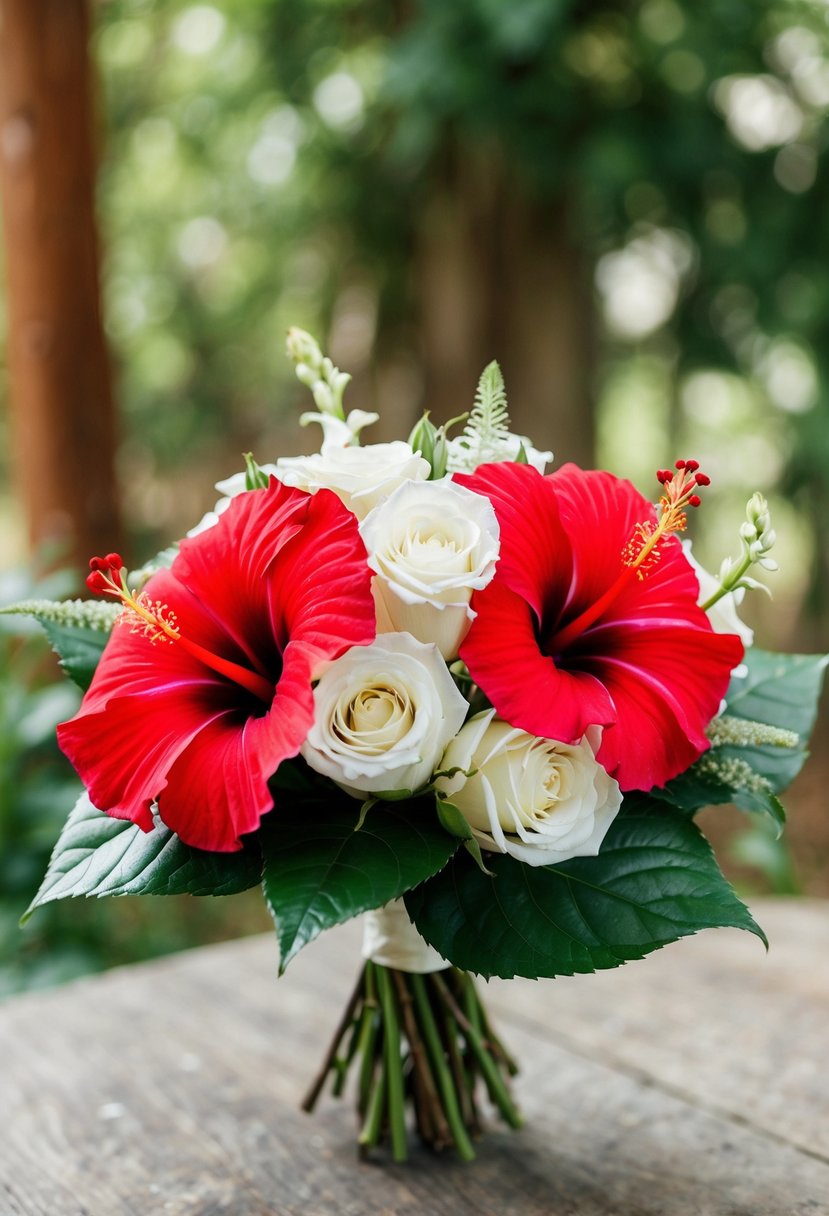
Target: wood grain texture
[692, 1084]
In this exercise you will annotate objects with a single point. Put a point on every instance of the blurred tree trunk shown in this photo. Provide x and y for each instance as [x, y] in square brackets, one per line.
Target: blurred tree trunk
[63, 427]
[497, 276]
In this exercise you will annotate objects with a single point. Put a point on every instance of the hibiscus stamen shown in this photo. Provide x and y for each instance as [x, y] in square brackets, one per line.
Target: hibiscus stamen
[159, 624]
[643, 551]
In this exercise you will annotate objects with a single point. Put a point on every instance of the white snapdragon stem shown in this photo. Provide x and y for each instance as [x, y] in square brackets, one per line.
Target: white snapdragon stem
[391, 940]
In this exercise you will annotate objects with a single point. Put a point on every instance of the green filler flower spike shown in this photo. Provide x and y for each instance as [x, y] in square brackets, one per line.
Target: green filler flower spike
[756, 537]
[316, 371]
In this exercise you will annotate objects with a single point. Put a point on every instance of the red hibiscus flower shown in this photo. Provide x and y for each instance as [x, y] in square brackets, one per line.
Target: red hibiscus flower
[205, 685]
[592, 618]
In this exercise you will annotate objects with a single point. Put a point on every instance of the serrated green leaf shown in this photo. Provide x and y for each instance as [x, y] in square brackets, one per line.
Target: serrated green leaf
[701, 786]
[654, 881]
[97, 855]
[78, 631]
[79, 650]
[319, 872]
[780, 690]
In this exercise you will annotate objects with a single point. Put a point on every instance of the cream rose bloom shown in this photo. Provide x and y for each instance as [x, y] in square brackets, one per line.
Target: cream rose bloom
[359, 476]
[383, 715]
[431, 544]
[538, 800]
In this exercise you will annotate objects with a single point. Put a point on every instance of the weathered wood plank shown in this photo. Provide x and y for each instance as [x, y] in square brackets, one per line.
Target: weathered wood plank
[171, 1088]
[713, 1019]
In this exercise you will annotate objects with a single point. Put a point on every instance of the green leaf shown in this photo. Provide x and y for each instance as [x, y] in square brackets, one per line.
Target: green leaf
[654, 881]
[97, 855]
[780, 690]
[78, 631]
[79, 650]
[728, 774]
[320, 872]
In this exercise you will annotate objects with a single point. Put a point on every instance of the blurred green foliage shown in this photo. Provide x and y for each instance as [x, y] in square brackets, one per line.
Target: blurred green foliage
[264, 156]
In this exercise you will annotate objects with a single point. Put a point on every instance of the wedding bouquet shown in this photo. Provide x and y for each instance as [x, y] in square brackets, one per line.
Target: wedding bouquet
[427, 682]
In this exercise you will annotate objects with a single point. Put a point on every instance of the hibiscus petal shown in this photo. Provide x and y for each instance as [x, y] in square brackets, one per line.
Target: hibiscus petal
[279, 584]
[667, 680]
[229, 615]
[645, 664]
[598, 512]
[123, 751]
[535, 557]
[321, 583]
[526, 687]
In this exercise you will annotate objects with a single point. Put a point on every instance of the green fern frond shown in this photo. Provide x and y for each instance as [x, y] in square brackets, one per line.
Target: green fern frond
[488, 425]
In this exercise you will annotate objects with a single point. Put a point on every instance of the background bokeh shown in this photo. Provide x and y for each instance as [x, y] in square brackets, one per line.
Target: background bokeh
[625, 203]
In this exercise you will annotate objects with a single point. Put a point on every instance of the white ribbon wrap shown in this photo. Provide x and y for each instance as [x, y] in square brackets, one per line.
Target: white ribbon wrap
[391, 940]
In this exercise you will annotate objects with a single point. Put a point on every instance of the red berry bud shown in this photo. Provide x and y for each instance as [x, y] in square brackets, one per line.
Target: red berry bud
[694, 500]
[680, 464]
[692, 465]
[114, 561]
[703, 479]
[97, 563]
[663, 475]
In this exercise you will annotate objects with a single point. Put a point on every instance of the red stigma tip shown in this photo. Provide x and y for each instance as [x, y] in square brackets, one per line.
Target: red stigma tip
[680, 464]
[663, 475]
[96, 563]
[692, 465]
[95, 581]
[703, 479]
[694, 500]
[114, 561]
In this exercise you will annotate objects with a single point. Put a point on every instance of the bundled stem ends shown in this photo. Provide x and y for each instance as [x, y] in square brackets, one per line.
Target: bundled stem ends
[422, 1042]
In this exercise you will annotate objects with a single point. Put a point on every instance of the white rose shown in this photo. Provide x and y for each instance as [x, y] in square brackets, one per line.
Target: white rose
[360, 476]
[431, 544]
[538, 800]
[722, 615]
[383, 715]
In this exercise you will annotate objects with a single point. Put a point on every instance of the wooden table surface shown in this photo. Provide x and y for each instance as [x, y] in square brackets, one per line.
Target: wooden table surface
[695, 1083]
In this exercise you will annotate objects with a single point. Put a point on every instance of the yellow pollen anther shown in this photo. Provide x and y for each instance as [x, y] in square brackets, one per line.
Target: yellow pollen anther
[149, 617]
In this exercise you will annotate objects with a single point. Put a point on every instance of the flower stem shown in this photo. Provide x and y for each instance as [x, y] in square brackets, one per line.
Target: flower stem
[729, 582]
[421, 1042]
[498, 1091]
[393, 1065]
[372, 1126]
[369, 1026]
[463, 1145]
[312, 1096]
